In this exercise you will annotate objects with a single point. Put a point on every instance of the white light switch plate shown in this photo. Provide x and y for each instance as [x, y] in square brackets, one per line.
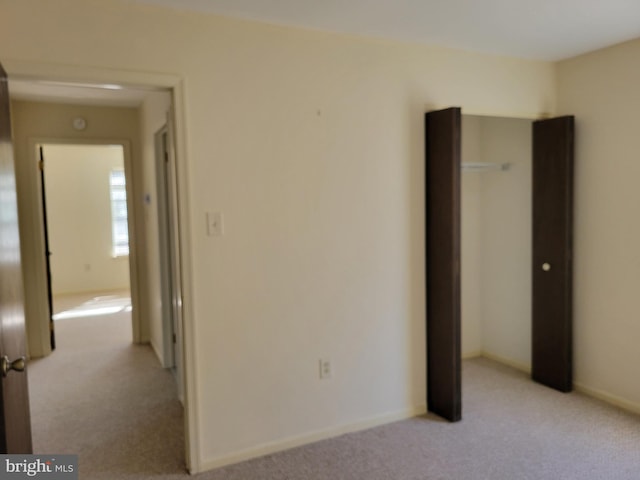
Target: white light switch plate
[326, 369]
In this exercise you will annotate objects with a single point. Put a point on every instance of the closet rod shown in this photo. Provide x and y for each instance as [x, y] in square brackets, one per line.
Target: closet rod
[484, 166]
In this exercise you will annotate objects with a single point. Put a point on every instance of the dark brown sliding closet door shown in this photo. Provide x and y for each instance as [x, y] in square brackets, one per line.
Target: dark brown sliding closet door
[552, 252]
[442, 147]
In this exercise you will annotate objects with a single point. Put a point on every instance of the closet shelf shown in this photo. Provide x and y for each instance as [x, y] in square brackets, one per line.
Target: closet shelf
[484, 166]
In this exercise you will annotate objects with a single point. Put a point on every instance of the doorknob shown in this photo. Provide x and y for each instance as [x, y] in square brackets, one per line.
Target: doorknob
[6, 365]
[546, 267]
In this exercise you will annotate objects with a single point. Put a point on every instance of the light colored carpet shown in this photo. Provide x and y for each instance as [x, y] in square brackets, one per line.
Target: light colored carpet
[111, 403]
[513, 429]
[107, 400]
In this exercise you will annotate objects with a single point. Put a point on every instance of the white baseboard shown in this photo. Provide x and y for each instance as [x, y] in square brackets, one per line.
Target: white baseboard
[606, 397]
[614, 400]
[157, 352]
[304, 439]
[506, 361]
[473, 354]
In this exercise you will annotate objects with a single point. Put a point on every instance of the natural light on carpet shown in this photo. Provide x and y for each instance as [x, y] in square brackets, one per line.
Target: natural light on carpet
[106, 305]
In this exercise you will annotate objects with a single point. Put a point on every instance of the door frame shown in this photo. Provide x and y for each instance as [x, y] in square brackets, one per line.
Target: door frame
[170, 247]
[29, 70]
[136, 300]
[166, 267]
[47, 246]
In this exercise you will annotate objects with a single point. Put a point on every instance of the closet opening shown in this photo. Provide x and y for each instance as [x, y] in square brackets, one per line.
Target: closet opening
[496, 232]
[504, 270]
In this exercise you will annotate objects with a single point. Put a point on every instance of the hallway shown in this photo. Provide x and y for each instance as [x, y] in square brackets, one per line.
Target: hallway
[103, 398]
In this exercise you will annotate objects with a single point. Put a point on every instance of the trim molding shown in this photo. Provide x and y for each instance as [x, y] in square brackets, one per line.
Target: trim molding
[614, 400]
[506, 361]
[157, 352]
[36, 70]
[580, 387]
[472, 354]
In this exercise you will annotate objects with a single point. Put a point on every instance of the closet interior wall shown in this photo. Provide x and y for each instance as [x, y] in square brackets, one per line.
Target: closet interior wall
[496, 240]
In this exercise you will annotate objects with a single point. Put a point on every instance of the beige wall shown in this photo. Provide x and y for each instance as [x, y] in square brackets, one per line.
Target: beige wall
[79, 218]
[506, 241]
[471, 274]
[602, 90]
[311, 145]
[32, 122]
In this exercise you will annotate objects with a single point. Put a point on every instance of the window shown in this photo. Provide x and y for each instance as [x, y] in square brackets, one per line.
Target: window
[119, 228]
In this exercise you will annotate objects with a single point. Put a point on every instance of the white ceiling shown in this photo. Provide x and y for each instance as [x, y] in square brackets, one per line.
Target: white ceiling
[538, 29]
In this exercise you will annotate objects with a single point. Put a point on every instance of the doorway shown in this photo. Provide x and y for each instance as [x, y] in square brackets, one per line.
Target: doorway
[143, 211]
[85, 213]
[169, 252]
